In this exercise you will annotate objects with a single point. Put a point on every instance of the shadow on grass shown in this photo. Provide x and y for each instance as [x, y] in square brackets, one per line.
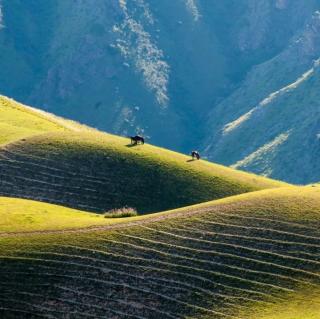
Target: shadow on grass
[190, 160]
[132, 145]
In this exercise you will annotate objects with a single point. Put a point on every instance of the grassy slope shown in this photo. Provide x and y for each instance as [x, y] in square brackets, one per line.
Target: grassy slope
[246, 256]
[25, 215]
[20, 215]
[17, 122]
[304, 304]
[96, 172]
[62, 162]
[239, 257]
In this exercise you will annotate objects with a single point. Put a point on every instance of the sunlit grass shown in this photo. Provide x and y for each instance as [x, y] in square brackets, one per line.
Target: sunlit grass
[248, 247]
[250, 256]
[20, 215]
[304, 304]
[17, 122]
[97, 172]
[43, 151]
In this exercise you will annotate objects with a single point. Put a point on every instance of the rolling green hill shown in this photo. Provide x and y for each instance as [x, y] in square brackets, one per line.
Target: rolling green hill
[248, 249]
[248, 256]
[25, 215]
[71, 165]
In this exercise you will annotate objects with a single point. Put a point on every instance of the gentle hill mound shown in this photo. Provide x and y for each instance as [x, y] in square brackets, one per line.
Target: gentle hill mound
[21, 215]
[95, 172]
[47, 158]
[230, 258]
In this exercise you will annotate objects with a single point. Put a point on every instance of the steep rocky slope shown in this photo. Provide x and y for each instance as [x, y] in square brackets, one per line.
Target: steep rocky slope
[272, 123]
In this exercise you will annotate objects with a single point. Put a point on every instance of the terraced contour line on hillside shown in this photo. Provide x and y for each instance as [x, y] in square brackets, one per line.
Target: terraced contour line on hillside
[233, 258]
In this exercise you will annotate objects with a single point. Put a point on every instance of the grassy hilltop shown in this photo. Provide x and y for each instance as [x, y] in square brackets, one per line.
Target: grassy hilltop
[17, 122]
[247, 248]
[75, 166]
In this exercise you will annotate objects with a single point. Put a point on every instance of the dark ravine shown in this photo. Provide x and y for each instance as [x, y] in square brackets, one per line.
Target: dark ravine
[176, 71]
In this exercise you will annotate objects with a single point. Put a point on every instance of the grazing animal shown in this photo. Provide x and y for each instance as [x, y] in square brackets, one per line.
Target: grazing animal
[195, 154]
[137, 139]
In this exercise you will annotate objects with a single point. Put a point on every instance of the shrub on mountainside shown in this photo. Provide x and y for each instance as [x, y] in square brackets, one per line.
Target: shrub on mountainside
[121, 212]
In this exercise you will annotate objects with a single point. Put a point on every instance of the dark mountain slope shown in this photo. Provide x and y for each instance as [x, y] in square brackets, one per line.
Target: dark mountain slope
[157, 67]
[273, 125]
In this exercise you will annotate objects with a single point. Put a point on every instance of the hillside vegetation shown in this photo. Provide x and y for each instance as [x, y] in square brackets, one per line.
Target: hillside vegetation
[20, 215]
[98, 172]
[59, 161]
[248, 249]
[17, 121]
[304, 304]
[250, 256]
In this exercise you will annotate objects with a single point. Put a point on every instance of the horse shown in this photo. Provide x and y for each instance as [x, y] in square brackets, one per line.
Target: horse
[136, 140]
[195, 154]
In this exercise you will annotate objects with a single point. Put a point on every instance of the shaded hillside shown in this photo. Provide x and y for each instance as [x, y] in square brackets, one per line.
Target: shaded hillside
[96, 172]
[272, 124]
[226, 259]
[47, 158]
[157, 67]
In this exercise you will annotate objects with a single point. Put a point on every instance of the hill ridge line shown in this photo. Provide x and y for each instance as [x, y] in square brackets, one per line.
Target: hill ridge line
[185, 213]
[50, 117]
[54, 118]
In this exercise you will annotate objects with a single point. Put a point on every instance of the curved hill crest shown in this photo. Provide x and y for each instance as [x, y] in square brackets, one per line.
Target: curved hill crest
[78, 167]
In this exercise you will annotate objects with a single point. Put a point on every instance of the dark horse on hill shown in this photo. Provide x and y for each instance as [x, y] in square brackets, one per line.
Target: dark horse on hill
[136, 140]
[195, 154]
